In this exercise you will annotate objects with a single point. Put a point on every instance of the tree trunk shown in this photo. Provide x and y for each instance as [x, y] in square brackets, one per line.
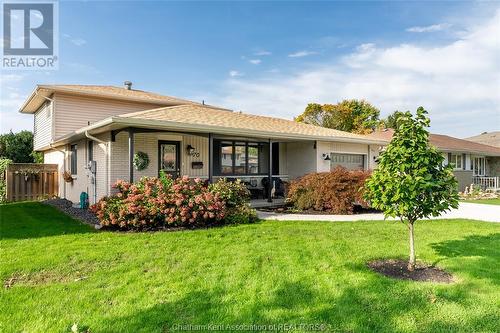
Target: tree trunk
[412, 262]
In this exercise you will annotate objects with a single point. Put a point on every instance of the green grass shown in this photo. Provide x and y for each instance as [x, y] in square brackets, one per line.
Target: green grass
[61, 272]
[495, 201]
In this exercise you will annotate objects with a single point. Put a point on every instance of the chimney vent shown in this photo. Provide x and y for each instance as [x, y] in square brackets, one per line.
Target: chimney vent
[128, 85]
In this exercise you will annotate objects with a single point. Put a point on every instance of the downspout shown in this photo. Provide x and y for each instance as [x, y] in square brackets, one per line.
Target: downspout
[51, 145]
[106, 144]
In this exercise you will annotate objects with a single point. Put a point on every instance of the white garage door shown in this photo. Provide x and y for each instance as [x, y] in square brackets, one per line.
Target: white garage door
[348, 161]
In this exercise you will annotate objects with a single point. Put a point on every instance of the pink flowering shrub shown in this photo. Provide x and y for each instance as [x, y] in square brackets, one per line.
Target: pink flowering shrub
[154, 203]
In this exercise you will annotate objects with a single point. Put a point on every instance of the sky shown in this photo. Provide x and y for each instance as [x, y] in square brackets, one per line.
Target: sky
[273, 58]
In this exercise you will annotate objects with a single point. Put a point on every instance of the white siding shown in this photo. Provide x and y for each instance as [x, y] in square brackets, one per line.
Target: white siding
[42, 131]
[73, 112]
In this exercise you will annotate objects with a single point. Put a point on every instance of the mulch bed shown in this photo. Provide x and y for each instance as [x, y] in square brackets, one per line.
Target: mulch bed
[290, 210]
[66, 206]
[398, 269]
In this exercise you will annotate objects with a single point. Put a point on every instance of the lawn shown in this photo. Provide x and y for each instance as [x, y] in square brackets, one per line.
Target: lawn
[56, 272]
[495, 201]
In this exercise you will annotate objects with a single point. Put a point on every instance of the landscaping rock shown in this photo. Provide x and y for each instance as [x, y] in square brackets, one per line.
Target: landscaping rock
[66, 206]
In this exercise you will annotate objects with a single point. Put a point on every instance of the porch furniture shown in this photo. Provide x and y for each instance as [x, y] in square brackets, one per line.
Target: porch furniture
[279, 186]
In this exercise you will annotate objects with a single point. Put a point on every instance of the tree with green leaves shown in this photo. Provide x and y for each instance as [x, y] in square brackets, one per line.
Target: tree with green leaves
[411, 181]
[356, 116]
[392, 120]
[18, 147]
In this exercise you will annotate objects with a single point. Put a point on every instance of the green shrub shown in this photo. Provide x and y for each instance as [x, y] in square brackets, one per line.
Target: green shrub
[237, 197]
[234, 193]
[4, 162]
[336, 191]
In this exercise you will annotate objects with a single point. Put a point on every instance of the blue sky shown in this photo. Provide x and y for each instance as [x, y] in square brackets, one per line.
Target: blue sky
[273, 58]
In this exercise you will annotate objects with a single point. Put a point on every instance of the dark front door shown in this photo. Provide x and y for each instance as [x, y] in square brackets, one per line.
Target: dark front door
[169, 157]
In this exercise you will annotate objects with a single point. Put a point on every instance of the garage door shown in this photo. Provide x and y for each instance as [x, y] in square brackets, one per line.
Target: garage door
[348, 161]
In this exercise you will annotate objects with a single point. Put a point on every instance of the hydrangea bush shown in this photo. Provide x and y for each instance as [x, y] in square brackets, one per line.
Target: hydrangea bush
[163, 202]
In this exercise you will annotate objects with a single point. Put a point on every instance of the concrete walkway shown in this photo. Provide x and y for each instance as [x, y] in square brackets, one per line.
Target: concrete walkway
[489, 213]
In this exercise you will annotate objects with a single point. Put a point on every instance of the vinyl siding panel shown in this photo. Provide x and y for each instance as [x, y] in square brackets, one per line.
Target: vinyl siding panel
[73, 112]
[42, 131]
[148, 143]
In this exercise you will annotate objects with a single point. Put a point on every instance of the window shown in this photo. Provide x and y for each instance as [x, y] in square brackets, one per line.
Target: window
[348, 161]
[455, 161]
[90, 151]
[479, 166]
[238, 158]
[73, 160]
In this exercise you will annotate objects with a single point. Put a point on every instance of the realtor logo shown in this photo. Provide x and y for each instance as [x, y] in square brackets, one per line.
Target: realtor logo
[30, 35]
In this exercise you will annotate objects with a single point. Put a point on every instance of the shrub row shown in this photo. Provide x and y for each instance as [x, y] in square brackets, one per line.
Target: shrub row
[154, 203]
[335, 192]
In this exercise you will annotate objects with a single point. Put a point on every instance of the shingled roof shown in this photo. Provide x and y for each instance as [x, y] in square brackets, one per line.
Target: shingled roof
[41, 91]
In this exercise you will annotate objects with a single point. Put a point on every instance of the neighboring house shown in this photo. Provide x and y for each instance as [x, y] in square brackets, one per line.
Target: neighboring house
[473, 163]
[487, 138]
[76, 124]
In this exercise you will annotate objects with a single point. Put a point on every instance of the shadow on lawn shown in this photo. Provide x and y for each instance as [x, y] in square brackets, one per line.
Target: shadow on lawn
[26, 220]
[479, 255]
[376, 305]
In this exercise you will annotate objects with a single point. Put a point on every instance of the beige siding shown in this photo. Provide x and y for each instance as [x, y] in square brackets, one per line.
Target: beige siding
[148, 143]
[57, 157]
[82, 180]
[301, 158]
[74, 112]
[42, 132]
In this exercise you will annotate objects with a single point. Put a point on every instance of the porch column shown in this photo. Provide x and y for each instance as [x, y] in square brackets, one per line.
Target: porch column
[210, 157]
[131, 154]
[270, 172]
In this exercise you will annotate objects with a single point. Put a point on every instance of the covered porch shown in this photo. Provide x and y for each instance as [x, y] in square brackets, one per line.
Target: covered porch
[260, 163]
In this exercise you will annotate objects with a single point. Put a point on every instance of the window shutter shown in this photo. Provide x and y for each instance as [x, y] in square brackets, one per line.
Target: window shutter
[449, 158]
[463, 161]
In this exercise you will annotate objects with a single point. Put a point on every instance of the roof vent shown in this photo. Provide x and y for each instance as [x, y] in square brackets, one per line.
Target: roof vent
[128, 85]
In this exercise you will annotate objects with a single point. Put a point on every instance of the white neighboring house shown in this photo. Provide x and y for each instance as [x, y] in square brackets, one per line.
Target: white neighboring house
[77, 124]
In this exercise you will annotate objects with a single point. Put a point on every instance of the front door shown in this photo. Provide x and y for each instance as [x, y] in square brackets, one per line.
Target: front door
[169, 157]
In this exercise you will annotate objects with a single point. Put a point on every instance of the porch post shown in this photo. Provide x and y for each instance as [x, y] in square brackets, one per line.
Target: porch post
[131, 154]
[270, 172]
[210, 157]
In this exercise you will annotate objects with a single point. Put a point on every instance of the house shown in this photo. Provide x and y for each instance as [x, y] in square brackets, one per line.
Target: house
[487, 138]
[473, 163]
[94, 132]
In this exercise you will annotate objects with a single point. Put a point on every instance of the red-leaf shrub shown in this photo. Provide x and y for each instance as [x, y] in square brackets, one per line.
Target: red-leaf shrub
[336, 191]
[154, 203]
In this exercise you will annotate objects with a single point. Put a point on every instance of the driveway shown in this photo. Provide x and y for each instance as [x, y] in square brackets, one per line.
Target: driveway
[489, 213]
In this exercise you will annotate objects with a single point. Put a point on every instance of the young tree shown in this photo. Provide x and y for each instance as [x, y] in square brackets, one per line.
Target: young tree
[392, 120]
[356, 116]
[411, 181]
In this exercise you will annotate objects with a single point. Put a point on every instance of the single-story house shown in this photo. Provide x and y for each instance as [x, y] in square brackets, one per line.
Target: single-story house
[487, 138]
[473, 163]
[94, 132]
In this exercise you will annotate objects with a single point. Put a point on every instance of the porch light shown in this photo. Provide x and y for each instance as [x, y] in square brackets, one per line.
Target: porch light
[190, 149]
[326, 157]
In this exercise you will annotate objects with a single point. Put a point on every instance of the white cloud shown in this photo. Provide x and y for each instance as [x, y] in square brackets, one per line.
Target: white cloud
[255, 61]
[75, 40]
[300, 54]
[262, 53]
[234, 73]
[457, 82]
[429, 28]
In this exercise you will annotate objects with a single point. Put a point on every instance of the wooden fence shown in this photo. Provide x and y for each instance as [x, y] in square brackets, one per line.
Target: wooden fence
[30, 181]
